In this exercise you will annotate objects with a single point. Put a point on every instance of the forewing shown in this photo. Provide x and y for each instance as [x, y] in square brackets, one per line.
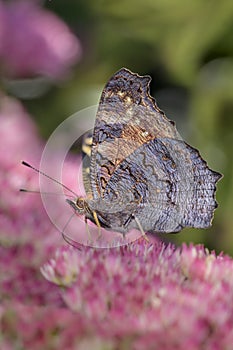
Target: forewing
[127, 118]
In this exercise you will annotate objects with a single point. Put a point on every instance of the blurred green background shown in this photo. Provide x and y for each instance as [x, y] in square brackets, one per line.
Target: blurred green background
[187, 48]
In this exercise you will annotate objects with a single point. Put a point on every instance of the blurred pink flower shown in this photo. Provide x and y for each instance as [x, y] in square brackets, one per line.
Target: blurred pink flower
[34, 41]
[48, 328]
[27, 238]
[22, 216]
[20, 280]
[19, 213]
[149, 296]
[1, 25]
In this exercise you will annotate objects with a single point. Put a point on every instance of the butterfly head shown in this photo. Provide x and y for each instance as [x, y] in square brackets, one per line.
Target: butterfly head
[79, 204]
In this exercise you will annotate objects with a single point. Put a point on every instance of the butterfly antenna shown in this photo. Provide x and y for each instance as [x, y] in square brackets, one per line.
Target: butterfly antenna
[49, 177]
[52, 193]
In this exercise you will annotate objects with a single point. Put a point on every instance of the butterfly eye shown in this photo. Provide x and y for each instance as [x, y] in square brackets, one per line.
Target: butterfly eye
[80, 203]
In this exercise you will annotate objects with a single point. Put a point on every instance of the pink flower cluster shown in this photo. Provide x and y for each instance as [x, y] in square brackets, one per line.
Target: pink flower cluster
[33, 41]
[149, 296]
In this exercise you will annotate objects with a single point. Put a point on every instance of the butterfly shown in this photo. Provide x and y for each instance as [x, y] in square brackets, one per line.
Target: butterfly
[138, 172]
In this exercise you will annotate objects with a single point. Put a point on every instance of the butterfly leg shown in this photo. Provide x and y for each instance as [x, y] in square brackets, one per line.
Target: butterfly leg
[97, 223]
[87, 229]
[141, 229]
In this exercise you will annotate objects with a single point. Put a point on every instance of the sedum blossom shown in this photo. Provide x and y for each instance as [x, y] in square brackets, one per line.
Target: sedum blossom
[149, 296]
